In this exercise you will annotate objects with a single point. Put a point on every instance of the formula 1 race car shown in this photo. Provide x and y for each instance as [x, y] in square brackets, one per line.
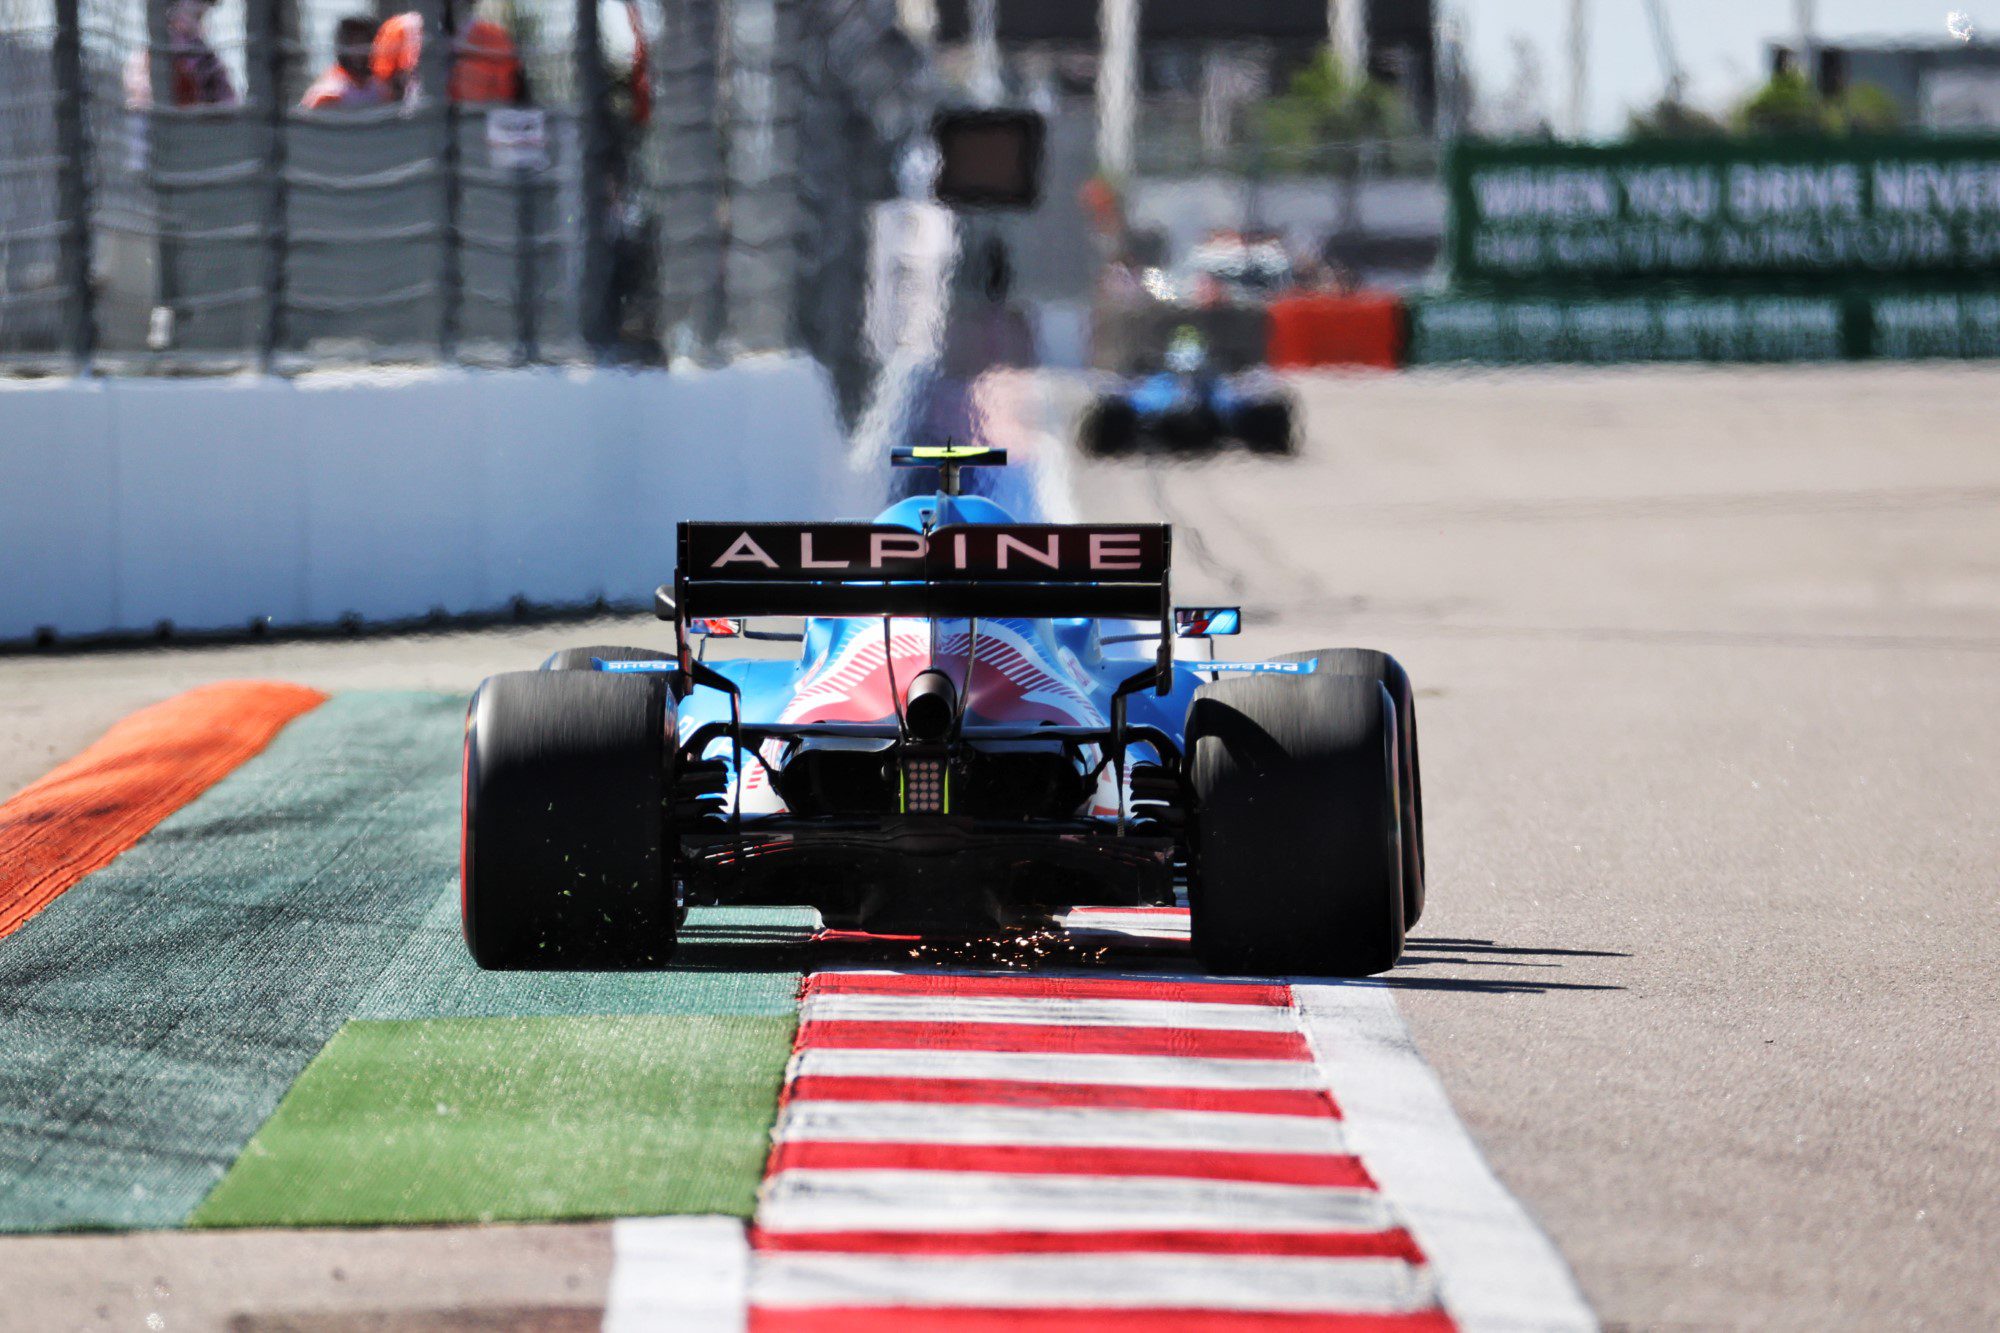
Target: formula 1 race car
[1188, 405]
[984, 726]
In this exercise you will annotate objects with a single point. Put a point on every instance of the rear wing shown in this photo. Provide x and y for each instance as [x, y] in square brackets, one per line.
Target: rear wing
[961, 570]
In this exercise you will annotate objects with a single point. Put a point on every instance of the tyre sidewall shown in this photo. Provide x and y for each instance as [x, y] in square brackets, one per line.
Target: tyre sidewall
[563, 859]
[1296, 844]
[1378, 665]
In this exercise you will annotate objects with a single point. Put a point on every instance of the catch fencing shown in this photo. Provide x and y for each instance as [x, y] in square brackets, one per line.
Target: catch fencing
[554, 180]
[1365, 204]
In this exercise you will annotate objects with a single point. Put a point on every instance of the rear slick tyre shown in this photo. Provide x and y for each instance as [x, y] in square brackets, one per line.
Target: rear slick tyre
[562, 863]
[1266, 427]
[1296, 864]
[1110, 429]
[1380, 666]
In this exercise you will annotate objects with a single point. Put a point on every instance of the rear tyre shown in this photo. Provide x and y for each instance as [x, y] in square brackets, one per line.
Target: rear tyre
[1296, 862]
[1110, 428]
[585, 659]
[563, 858]
[1266, 427]
[1195, 430]
[1380, 666]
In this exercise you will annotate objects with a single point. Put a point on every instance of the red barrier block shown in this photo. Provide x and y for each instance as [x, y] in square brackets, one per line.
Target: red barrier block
[1360, 329]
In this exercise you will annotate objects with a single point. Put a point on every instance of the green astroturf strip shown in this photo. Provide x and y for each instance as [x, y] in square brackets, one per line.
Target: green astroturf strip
[154, 1015]
[484, 1119]
[730, 960]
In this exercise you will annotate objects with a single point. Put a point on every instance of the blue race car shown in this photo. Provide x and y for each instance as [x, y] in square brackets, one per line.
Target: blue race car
[984, 725]
[1190, 405]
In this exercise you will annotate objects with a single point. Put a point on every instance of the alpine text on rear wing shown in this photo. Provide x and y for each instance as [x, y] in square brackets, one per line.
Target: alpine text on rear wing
[868, 569]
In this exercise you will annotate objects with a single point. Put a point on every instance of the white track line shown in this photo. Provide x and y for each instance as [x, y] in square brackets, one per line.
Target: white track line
[1095, 1281]
[1064, 1012]
[1137, 1071]
[1057, 1127]
[816, 1200]
[1496, 1270]
[690, 1274]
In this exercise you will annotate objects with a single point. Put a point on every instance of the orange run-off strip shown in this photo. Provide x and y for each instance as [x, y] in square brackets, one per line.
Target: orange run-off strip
[82, 816]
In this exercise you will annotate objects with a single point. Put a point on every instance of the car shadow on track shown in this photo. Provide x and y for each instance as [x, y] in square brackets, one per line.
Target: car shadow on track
[743, 949]
[1421, 951]
[1488, 946]
[777, 952]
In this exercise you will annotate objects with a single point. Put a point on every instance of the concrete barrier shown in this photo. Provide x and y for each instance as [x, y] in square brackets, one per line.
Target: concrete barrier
[387, 496]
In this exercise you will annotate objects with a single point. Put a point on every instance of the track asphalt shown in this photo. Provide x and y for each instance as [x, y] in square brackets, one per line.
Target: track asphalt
[1711, 727]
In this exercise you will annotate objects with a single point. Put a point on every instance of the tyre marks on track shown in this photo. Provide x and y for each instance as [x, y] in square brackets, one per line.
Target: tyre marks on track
[1040, 1151]
[1235, 580]
[1239, 552]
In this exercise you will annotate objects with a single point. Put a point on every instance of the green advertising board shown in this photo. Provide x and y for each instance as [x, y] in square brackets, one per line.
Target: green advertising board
[1573, 327]
[1537, 329]
[1934, 324]
[1723, 212]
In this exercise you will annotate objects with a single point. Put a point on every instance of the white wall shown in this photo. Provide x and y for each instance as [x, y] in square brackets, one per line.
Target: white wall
[125, 502]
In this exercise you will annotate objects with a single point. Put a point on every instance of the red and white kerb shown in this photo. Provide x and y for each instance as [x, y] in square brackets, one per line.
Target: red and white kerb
[1007, 1151]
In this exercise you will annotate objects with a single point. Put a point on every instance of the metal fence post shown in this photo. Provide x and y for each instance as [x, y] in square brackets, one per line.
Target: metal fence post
[73, 185]
[166, 309]
[436, 63]
[527, 349]
[596, 310]
[268, 49]
[714, 327]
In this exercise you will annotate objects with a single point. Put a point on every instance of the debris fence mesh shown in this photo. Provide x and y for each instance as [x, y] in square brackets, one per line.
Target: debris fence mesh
[190, 185]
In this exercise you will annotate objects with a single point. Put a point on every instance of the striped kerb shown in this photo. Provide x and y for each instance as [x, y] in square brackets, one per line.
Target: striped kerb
[84, 814]
[1006, 1151]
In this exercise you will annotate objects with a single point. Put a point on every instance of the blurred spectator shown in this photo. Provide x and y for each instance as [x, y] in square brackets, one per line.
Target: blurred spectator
[196, 75]
[630, 310]
[1339, 276]
[1119, 281]
[971, 394]
[992, 333]
[1102, 207]
[348, 81]
[484, 66]
[627, 66]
